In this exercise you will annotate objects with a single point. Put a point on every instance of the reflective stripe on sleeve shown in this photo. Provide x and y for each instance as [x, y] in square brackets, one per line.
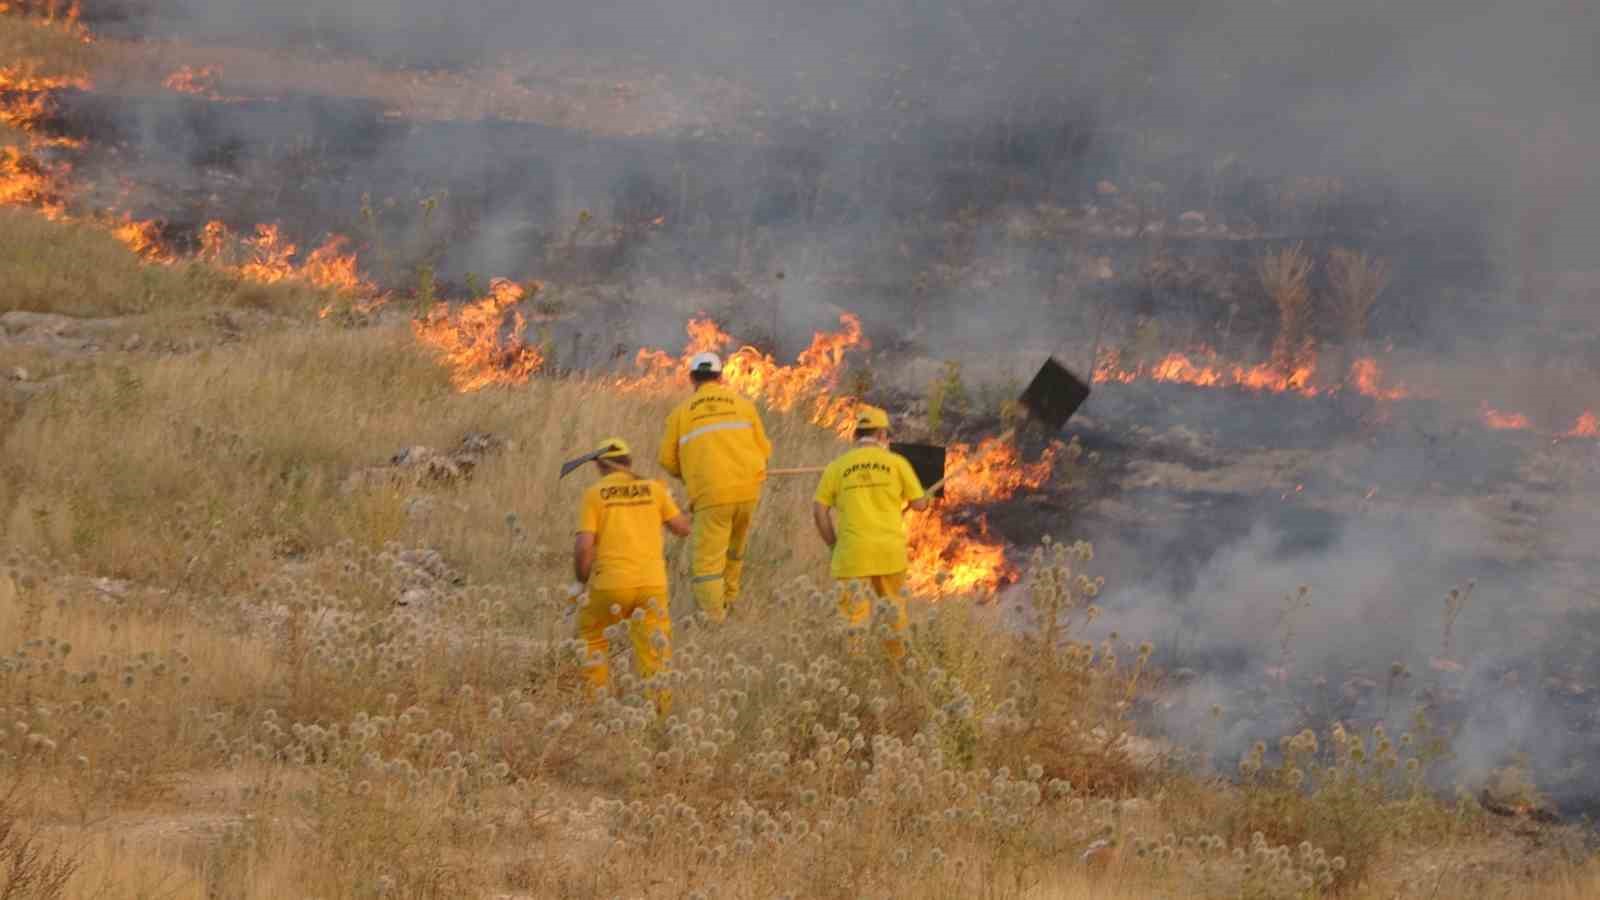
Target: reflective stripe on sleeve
[707, 429]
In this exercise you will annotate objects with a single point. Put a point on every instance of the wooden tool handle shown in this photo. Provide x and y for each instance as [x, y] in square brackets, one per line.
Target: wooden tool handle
[803, 470]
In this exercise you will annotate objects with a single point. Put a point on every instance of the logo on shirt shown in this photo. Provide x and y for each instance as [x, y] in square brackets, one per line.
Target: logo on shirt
[867, 468]
[624, 492]
[702, 401]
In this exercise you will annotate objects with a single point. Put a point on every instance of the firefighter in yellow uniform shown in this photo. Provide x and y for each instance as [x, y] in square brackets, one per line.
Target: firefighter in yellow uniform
[868, 489]
[618, 556]
[714, 441]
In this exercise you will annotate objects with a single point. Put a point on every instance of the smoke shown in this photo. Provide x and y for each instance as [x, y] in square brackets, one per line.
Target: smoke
[1445, 131]
[951, 170]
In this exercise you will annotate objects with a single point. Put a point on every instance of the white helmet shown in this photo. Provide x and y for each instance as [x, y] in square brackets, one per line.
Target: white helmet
[706, 362]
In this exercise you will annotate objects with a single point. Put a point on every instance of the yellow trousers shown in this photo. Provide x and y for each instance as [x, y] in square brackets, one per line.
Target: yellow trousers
[651, 634]
[855, 607]
[720, 535]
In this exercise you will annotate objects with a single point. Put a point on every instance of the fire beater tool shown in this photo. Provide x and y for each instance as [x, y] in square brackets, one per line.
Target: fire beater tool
[1051, 398]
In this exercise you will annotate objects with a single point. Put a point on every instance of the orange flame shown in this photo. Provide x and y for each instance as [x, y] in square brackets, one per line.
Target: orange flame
[1203, 370]
[806, 384]
[1504, 421]
[470, 343]
[27, 101]
[25, 181]
[951, 557]
[144, 239]
[1587, 426]
[201, 82]
[267, 257]
[1366, 376]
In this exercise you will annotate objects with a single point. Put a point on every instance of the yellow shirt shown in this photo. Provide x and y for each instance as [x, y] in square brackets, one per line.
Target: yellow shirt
[625, 515]
[869, 487]
[715, 442]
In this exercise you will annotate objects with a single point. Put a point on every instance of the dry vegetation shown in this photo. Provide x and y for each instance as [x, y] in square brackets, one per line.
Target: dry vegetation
[1357, 279]
[211, 691]
[80, 270]
[1286, 277]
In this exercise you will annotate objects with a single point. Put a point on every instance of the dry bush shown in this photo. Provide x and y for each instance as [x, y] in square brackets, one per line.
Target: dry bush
[1286, 277]
[30, 869]
[1358, 280]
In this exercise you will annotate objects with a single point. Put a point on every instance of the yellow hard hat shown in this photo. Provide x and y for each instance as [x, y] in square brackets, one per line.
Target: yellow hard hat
[871, 417]
[613, 448]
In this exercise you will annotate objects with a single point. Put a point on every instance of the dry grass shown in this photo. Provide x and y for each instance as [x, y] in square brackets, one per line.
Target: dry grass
[246, 712]
[249, 713]
[81, 270]
[1358, 279]
[1286, 277]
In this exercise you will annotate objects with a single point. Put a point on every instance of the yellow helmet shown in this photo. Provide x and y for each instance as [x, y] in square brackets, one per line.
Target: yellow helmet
[612, 448]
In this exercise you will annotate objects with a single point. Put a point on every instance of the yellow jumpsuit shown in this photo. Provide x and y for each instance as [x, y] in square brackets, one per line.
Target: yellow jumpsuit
[716, 443]
[630, 573]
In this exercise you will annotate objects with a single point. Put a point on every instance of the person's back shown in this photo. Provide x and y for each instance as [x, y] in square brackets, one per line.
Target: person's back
[625, 515]
[715, 441]
[869, 487]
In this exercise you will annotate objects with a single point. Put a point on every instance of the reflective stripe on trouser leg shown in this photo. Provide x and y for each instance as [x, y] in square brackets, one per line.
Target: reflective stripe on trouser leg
[713, 526]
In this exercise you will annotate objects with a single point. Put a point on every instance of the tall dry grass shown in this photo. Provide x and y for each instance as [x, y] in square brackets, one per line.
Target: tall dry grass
[1357, 280]
[1286, 277]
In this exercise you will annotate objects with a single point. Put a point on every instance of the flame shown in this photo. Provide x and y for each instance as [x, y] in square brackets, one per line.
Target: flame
[27, 102]
[1504, 421]
[1587, 426]
[1203, 370]
[470, 343]
[144, 239]
[25, 181]
[267, 257]
[950, 556]
[200, 81]
[1366, 376]
[808, 384]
